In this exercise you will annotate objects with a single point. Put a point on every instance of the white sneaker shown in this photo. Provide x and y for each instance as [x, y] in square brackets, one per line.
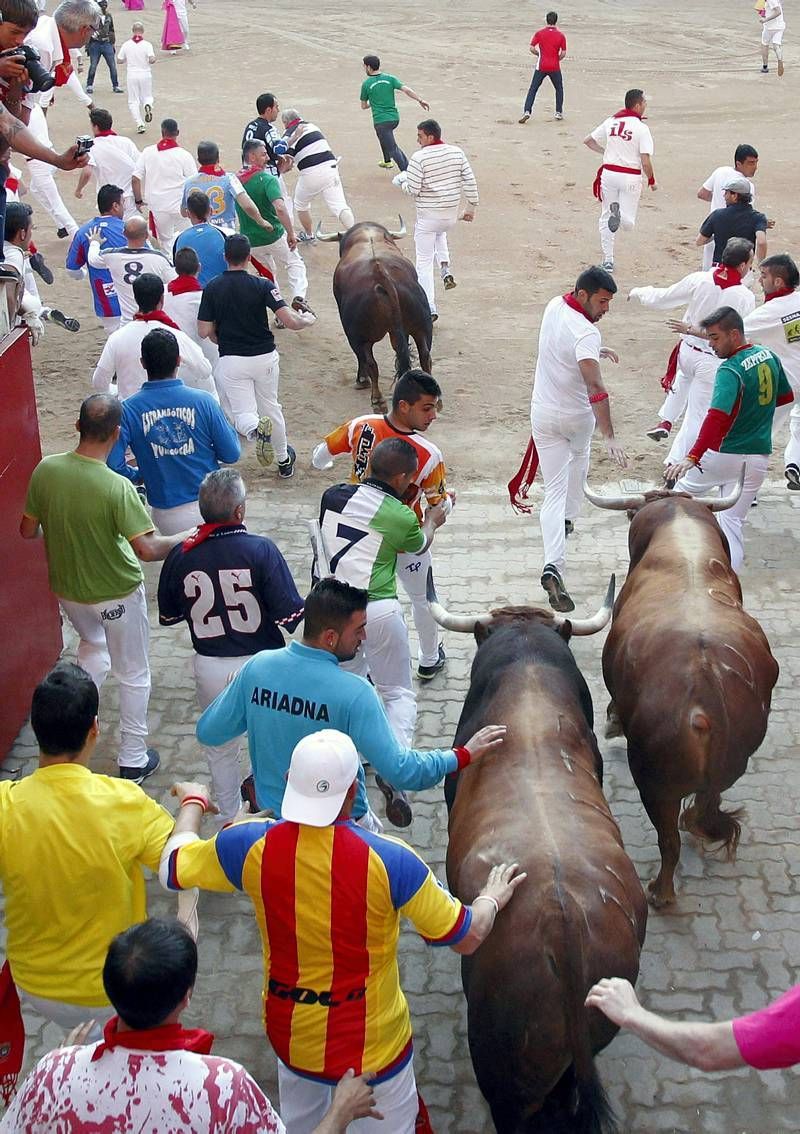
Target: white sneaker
[558, 116]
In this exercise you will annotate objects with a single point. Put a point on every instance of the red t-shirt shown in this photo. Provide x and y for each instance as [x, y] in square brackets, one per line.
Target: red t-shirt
[550, 41]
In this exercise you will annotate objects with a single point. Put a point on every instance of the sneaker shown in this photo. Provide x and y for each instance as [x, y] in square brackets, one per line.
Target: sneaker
[90, 90]
[306, 237]
[62, 233]
[569, 527]
[299, 304]
[398, 809]
[56, 316]
[38, 265]
[138, 775]
[765, 70]
[118, 90]
[660, 432]
[613, 220]
[148, 112]
[608, 265]
[525, 116]
[428, 672]
[286, 468]
[141, 129]
[434, 316]
[385, 164]
[792, 474]
[780, 68]
[265, 453]
[559, 117]
[449, 282]
[557, 593]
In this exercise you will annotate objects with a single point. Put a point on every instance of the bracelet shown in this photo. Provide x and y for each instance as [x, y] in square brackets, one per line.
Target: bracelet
[595, 398]
[488, 898]
[463, 756]
[204, 803]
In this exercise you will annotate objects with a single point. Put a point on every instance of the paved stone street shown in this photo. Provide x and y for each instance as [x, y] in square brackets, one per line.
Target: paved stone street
[729, 944]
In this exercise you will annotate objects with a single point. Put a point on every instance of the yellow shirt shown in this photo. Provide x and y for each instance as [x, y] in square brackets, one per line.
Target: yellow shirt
[72, 847]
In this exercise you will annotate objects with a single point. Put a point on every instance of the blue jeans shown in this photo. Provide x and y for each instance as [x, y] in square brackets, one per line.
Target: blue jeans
[95, 51]
[390, 148]
[537, 80]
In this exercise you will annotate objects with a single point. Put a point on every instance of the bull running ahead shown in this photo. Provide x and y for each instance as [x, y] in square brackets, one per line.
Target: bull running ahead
[538, 801]
[378, 294]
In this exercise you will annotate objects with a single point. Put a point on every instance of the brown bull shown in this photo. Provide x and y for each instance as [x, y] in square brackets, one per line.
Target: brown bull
[580, 914]
[689, 672]
[378, 294]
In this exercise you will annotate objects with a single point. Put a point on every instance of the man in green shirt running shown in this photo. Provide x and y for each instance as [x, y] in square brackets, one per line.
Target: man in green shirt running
[364, 527]
[278, 243]
[737, 430]
[377, 92]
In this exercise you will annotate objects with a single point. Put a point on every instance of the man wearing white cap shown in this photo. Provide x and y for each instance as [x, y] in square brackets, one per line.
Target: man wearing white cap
[328, 896]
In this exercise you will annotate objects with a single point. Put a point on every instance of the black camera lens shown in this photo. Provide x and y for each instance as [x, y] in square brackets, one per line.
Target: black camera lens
[41, 79]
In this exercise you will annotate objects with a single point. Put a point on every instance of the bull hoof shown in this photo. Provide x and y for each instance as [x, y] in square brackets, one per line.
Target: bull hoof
[362, 383]
[612, 730]
[379, 405]
[658, 900]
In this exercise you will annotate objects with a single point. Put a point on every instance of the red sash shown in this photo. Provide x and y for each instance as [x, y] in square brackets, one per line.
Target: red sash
[12, 1035]
[596, 184]
[520, 484]
[668, 381]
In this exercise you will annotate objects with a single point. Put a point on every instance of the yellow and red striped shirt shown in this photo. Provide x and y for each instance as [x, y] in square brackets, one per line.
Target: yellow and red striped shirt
[328, 902]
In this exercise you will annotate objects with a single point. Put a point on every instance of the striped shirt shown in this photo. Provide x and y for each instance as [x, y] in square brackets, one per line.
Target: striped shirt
[437, 174]
[310, 147]
[328, 902]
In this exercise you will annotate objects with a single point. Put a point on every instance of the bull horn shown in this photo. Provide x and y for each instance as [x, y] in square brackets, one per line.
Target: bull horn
[724, 502]
[402, 232]
[462, 623]
[614, 503]
[597, 621]
[326, 236]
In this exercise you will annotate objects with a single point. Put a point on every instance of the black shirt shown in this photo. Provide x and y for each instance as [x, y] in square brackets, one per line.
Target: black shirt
[733, 220]
[237, 303]
[265, 132]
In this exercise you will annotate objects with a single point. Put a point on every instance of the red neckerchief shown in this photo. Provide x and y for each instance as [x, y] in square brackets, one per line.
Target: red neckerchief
[167, 144]
[12, 184]
[182, 284]
[627, 114]
[572, 302]
[106, 134]
[12, 1035]
[723, 280]
[438, 142]
[156, 317]
[62, 70]
[212, 170]
[137, 38]
[169, 1037]
[201, 533]
[248, 171]
[773, 295]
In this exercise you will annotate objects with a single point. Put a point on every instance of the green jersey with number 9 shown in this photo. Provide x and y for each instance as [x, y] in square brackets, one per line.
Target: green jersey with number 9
[747, 386]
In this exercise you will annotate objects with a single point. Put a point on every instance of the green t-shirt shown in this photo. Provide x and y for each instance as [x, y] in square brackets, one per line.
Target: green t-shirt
[748, 384]
[88, 514]
[262, 189]
[378, 90]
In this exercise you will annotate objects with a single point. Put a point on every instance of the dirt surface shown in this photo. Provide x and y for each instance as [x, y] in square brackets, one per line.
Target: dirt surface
[537, 223]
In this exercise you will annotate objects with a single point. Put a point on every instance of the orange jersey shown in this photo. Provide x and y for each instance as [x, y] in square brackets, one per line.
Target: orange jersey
[359, 436]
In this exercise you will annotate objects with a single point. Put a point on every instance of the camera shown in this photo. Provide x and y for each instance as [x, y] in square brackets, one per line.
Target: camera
[83, 143]
[40, 77]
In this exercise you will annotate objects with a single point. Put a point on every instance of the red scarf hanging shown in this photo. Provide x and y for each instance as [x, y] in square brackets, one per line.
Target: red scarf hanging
[183, 284]
[423, 1123]
[212, 170]
[169, 1037]
[62, 70]
[572, 302]
[203, 531]
[725, 277]
[670, 374]
[156, 317]
[106, 134]
[12, 1035]
[137, 38]
[520, 484]
[248, 171]
[773, 295]
[167, 144]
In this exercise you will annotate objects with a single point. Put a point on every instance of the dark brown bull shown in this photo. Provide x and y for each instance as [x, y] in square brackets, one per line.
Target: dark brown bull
[581, 913]
[689, 672]
[378, 294]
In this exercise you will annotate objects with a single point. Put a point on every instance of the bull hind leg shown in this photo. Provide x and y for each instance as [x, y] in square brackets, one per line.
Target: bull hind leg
[613, 723]
[705, 819]
[423, 345]
[368, 375]
[663, 815]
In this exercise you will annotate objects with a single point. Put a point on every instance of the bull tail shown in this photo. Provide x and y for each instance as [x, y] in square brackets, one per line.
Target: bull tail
[705, 819]
[388, 292]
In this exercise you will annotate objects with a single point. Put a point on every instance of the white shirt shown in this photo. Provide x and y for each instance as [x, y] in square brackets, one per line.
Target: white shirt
[773, 16]
[122, 355]
[625, 140]
[436, 176]
[701, 295]
[566, 337]
[714, 185]
[125, 266]
[138, 56]
[45, 38]
[113, 160]
[776, 325]
[162, 173]
[31, 301]
[183, 310]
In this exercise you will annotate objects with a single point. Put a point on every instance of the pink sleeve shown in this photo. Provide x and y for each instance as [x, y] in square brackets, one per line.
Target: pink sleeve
[770, 1038]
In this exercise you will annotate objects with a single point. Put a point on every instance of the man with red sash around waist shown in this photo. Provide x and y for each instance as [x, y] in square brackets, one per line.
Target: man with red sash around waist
[627, 147]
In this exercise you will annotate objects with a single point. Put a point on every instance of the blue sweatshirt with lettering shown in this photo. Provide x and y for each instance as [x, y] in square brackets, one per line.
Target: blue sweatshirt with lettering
[177, 435]
[280, 696]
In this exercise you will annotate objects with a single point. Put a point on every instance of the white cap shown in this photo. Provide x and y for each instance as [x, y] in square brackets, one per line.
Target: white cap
[322, 768]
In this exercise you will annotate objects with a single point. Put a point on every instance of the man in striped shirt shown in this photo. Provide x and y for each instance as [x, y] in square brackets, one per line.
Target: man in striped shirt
[436, 177]
[317, 174]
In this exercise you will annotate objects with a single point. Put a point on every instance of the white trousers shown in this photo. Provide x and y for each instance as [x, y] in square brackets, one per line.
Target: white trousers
[211, 675]
[171, 521]
[303, 1104]
[248, 390]
[290, 260]
[700, 370]
[722, 469]
[324, 181]
[625, 189]
[412, 574]
[168, 225]
[183, 20]
[68, 1016]
[708, 256]
[430, 241]
[385, 654]
[675, 402]
[563, 442]
[140, 93]
[109, 323]
[42, 181]
[114, 637]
